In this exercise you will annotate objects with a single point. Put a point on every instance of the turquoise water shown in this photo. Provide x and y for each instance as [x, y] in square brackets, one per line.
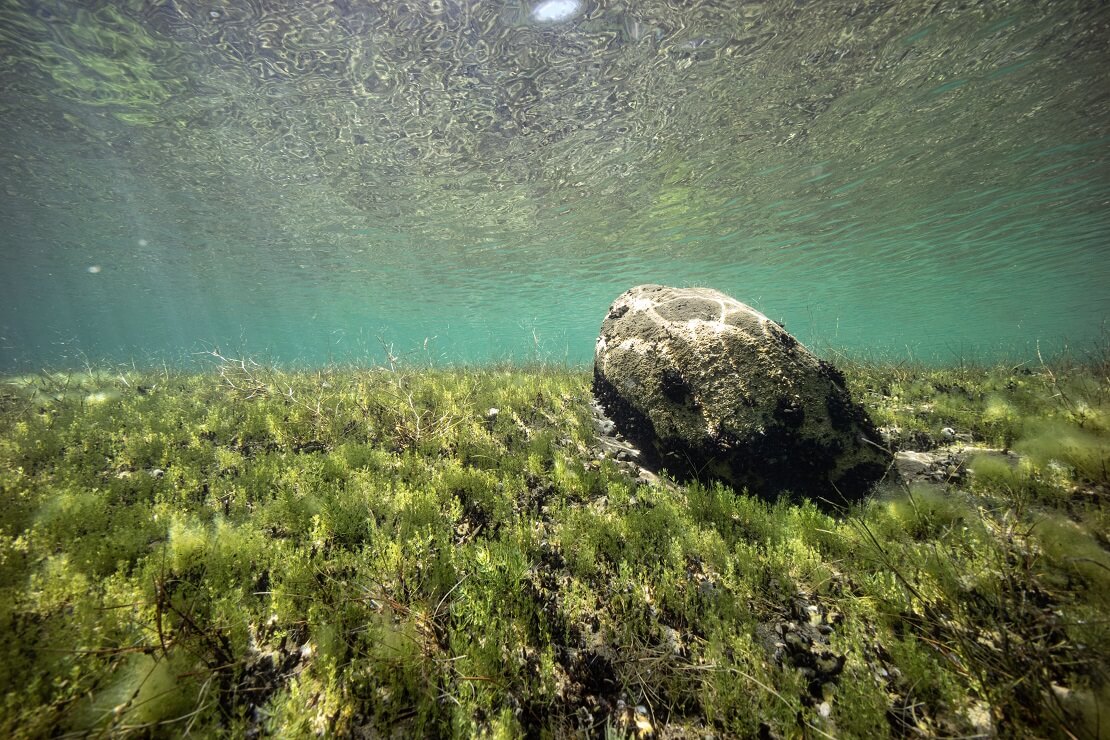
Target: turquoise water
[465, 180]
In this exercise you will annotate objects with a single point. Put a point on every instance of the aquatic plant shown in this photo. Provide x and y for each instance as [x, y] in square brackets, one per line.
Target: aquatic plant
[258, 551]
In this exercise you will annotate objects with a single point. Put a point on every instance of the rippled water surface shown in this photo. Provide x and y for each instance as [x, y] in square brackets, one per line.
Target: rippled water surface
[476, 179]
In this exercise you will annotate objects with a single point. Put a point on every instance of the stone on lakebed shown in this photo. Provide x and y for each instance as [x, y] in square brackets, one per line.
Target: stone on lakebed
[710, 388]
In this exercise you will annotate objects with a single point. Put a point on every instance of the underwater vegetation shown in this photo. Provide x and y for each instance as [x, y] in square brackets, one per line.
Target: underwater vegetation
[360, 552]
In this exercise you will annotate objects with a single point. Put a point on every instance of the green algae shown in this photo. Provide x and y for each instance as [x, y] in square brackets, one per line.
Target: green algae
[348, 551]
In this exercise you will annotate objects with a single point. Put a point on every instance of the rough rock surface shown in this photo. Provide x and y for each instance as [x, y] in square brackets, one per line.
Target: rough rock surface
[709, 387]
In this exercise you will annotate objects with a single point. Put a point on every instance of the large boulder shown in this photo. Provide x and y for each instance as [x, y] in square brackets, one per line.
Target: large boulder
[708, 387]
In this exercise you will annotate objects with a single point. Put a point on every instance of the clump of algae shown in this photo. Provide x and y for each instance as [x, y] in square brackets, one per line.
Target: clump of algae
[361, 551]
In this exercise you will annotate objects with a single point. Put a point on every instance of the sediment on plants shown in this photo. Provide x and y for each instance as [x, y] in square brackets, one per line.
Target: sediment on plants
[348, 552]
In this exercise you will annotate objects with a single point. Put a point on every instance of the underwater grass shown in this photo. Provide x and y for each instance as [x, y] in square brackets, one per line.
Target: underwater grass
[252, 552]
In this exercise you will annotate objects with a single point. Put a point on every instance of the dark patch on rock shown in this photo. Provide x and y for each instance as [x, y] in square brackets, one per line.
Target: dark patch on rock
[786, 340]
[860, 475]
[617, 312]
[841, 412]
[673, 386]
[787, 464]
[789, 413]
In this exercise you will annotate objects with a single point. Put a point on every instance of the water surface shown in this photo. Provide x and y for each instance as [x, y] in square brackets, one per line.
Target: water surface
[472, 180]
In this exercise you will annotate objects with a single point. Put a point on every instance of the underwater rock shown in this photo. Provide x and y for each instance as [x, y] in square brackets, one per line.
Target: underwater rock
[708, 387]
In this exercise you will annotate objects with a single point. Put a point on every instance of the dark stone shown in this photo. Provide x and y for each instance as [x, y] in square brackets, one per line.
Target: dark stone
[708, 387]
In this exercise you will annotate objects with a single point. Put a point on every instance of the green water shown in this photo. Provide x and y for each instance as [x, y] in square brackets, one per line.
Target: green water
[470, 181]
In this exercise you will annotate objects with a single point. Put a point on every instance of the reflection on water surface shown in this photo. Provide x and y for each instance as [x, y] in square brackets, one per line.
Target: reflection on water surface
[879, 175]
